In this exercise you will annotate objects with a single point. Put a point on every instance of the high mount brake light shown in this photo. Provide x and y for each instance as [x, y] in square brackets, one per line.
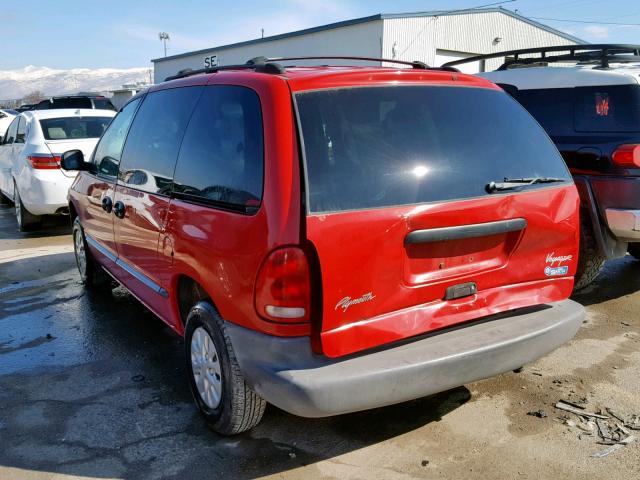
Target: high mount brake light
[627, 156]
[283, 292]
[44, 162]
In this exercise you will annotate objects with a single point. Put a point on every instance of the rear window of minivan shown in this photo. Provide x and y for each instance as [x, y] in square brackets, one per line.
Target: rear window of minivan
[372, 147]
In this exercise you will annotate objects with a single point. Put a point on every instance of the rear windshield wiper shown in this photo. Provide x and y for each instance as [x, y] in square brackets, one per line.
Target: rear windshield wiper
[511, 183]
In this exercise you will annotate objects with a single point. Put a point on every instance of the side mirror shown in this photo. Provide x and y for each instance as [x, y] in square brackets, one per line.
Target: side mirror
[73, 160]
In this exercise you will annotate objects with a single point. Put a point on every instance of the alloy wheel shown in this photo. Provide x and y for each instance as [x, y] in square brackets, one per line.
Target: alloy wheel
[205, 364]
[81, 255]
[18, 204]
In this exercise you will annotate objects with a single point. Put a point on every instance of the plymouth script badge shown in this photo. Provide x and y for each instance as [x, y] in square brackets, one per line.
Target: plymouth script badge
[346, 302]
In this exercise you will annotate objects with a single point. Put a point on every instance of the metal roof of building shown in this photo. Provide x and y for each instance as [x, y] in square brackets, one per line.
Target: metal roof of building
[371, 18]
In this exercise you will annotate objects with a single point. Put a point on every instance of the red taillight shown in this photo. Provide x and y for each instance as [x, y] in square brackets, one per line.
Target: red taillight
[283, 290]
[627, 156]
[44, 162]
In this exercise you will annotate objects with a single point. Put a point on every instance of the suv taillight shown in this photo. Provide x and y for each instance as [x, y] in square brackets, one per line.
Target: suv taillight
[44, 162]
[627, 156]
[283, 292]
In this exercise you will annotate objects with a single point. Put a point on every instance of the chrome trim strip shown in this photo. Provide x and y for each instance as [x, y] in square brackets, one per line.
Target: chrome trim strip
[95, 244]
[128, 268]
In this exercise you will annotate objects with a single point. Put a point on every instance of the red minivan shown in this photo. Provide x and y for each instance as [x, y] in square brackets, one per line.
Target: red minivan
[332, 239]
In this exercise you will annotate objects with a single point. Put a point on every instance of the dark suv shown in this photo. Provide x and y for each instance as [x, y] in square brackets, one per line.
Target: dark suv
[591, 109]
[332, 239]
[75, 101]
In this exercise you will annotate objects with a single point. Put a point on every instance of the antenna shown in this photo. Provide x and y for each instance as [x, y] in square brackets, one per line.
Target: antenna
[164, 36]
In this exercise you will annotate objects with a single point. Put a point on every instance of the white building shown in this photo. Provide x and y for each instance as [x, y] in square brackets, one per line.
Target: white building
[122, 95]
[431, 37]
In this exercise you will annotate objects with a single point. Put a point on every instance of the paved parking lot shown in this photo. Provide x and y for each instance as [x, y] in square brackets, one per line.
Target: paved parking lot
[93, 386]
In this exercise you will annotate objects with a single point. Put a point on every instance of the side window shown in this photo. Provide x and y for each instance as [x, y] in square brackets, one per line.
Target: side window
[11, 132]
[22, 130]
[150, 153]
[552, 108]
[108, 151]
[221, 159]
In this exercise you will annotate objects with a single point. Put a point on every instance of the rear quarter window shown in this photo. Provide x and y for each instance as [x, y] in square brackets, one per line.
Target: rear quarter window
[374, 147]
[103, 104]
[221, 158]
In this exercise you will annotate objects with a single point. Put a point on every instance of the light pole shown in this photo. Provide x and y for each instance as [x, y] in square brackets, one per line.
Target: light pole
[164, 36]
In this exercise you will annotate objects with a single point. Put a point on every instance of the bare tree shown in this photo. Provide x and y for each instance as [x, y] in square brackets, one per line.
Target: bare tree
[33, 97]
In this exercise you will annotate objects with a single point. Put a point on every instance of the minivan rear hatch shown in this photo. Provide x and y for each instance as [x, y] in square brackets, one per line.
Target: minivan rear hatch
[410, 237]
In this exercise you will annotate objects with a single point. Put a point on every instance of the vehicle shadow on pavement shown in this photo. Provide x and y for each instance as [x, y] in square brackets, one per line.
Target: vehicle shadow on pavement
[620, 277]
[92, 384]
[52, 226]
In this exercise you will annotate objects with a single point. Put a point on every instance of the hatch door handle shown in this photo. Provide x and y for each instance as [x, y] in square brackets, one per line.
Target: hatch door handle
[459, 232]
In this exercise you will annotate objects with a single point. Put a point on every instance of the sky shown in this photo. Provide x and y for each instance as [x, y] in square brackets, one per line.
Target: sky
[123, 34]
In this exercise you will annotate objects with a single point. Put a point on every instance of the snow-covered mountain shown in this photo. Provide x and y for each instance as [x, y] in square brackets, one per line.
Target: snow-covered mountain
[16, 84]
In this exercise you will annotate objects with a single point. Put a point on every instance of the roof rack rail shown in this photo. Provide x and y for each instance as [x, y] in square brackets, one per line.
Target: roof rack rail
[600, 53]
[253, 64]
[270, 65]
[414, 64]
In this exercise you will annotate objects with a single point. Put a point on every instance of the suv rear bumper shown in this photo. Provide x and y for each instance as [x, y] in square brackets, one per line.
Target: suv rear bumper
[287, 374]
[625, 224]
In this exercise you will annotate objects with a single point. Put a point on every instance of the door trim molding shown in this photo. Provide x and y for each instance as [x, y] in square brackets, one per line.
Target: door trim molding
[141, 277]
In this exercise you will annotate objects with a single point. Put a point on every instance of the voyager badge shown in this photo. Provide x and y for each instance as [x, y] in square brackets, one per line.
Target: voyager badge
[555, 268]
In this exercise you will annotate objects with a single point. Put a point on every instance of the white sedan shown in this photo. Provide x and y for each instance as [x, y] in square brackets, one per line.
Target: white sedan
[6, 116]
[30, 172]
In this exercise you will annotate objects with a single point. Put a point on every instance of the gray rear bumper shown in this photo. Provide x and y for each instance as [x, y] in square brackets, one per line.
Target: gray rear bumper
[287, 374]
[624, 224]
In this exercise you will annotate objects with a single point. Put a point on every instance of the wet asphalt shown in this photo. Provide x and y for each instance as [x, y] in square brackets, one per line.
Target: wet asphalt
[92, 385]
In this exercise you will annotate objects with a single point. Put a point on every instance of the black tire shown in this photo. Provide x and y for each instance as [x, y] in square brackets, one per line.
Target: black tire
[91, 274]
[4, 200]
[239, 408]
[27, 221]
[591, 261]
[634, 250]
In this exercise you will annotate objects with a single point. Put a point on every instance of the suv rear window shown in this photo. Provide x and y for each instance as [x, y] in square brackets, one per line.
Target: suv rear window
[373, 147]
[74, 102]
[565, 111]
[612, 108]
[73, 127]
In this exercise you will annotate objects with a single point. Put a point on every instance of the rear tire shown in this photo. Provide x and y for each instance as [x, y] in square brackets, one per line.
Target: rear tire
[591, 261]
[4, 200]
[218, 387]
[26, 220]
[634, 250]
[91, 274]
